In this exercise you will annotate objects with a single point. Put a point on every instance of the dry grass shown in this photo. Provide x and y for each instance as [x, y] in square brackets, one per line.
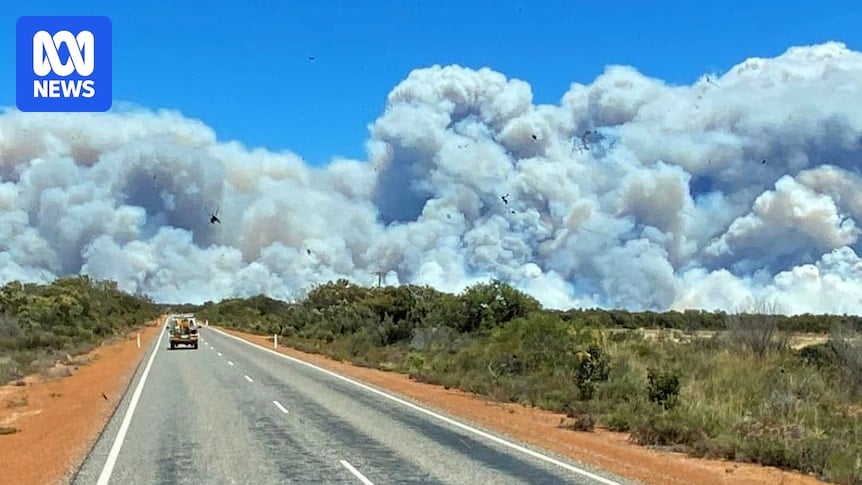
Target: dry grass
[797, 340]
[802, 340]
[59, 371]
[18, 402]
[81, 360]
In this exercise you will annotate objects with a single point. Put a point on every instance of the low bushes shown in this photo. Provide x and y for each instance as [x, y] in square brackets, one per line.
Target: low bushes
[40, 324]
[743, 394]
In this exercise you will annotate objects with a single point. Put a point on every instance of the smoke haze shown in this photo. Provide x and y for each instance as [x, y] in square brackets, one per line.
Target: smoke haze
[630, 193]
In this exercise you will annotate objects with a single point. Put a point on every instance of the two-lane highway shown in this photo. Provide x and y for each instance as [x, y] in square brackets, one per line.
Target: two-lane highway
[233, 412]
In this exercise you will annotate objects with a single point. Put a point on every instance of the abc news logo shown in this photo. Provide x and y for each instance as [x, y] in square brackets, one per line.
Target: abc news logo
[64, 64]
[46, 58]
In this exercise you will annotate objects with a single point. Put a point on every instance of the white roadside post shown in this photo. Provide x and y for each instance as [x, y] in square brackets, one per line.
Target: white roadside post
[275, 340]
[139, 339]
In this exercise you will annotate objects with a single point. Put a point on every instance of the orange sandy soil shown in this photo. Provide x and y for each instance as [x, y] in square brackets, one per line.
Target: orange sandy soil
[602, 448]
[59, 418]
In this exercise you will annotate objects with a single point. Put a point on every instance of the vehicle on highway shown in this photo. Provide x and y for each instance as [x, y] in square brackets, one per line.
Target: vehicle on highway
[182, 330]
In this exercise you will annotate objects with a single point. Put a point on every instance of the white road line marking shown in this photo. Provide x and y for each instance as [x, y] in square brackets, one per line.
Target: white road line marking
[229, 363]
[458, 424]
[219, 354]
[248, 379]
[108, 469]
[280, 407]
[356, 473]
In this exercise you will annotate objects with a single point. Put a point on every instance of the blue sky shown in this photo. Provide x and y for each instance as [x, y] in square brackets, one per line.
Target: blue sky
[243, 67]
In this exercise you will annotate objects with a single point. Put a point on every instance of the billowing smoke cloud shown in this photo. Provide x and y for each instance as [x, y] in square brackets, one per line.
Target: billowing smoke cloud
[630, 193]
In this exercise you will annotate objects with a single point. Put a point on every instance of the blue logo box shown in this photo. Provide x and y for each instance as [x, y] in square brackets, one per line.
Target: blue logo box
[63, 64]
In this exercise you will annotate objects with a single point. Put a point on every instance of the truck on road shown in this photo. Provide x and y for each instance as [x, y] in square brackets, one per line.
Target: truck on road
[182, 330]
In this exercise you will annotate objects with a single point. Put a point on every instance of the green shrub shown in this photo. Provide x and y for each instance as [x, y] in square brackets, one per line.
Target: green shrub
[593, 367]
[663, 387]
[415, 363]
[843, 467]
[666, 428]
[581, 422]
[624, 382]
[820, 355]
[489, 305]
[534, 343]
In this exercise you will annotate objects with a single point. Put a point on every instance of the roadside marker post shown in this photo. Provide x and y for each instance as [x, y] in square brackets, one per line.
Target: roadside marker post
[139, 339]
[275, 341]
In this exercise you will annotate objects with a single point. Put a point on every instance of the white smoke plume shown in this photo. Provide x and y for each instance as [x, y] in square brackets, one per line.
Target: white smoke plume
[631, 193]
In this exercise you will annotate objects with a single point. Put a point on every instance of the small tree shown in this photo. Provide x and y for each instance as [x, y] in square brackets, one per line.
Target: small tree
[663, 387]
[593, 367]
[756, 326]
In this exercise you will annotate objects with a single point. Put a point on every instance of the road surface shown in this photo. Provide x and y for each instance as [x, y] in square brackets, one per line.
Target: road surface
[232, 412]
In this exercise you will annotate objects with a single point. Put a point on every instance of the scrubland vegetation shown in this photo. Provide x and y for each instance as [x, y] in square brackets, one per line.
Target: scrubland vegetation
[741, 392]
[709, 384]
[43, 324]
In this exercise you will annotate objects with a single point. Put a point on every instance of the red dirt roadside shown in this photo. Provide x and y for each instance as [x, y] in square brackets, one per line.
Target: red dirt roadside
[605, 449]
[58, 419]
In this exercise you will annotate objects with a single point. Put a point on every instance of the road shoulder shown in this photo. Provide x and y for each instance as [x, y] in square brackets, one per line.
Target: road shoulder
[59, 418]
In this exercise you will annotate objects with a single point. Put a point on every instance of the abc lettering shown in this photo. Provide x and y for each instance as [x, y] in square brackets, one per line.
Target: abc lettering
[46, 59]
[64, 88]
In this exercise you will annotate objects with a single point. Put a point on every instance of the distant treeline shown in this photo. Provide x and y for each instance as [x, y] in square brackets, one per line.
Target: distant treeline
[703, 320]
[481, 306]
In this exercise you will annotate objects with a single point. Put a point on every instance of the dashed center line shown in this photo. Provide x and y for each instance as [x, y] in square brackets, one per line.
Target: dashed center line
[219, 354]
[428, 412]
[356, 473]
[280, 407]
[229, 363]
[249, 379]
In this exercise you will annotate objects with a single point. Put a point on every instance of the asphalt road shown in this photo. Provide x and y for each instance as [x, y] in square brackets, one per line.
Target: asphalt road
[231, 412]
